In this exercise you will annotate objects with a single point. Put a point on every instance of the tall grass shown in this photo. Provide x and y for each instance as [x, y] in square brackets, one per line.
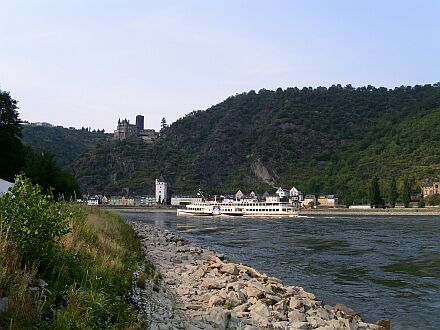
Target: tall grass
[88, 276]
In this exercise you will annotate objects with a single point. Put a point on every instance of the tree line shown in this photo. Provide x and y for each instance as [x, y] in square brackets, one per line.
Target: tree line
[17, 158]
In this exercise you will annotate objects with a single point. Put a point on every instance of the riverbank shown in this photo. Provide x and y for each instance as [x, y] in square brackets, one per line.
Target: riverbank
[205, 290]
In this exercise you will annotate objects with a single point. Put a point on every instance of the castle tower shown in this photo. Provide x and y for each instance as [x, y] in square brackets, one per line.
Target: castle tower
[161, 190]
[139, 122]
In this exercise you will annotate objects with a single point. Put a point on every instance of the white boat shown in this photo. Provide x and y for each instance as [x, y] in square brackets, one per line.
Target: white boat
[240, 208]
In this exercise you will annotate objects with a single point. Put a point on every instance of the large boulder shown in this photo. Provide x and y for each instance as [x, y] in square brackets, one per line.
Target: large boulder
[260, 313]
[229, 269]
[216, 300]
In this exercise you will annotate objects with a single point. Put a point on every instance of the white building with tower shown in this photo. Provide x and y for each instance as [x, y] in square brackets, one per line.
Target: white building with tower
[161, 190]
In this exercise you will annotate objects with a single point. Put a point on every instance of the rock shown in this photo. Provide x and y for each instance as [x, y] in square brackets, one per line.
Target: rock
[280, 307]
[229, 269]
[216, 301]
[199, 273]
[316, 321]
[346, 310]
[223, 293]
[298, 326]
[295, 303]
[297, 316]
[236, 297]
[236, 286]
[252, 291]
[212, 283]
[219, 317]
[242, 308]
[260, 313]
[323, 313]
[385, 324]
[280, 325]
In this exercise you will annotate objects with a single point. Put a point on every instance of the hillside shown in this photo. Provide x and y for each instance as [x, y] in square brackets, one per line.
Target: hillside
[323, 140]
[66, 145]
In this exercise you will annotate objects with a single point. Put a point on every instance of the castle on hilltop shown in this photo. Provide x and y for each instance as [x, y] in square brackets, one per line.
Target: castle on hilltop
[125, 130]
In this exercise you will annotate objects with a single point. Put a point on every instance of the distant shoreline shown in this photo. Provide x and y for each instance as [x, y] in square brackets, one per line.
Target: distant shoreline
[429, 211]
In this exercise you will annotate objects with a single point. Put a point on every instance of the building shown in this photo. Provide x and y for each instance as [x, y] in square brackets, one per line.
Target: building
[177, 200]
[309, 201]
[125, 130]
[273, 199]
[161, 190]
[92, 201]
[432, 188]
[121, 201]
[327, 201]
[282, 192]
[239, 195]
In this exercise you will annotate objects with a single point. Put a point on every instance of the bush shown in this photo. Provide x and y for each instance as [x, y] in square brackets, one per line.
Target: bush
[35, 221]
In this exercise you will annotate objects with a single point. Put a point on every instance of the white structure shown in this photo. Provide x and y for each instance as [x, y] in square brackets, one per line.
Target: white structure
[161, 190]
[282, 192]
[92, 201]
[272, 199]
[4, 186]
[183, 200]
[295, 195]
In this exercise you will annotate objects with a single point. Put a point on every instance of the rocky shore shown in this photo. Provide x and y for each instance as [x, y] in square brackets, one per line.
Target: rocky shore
[200, 289]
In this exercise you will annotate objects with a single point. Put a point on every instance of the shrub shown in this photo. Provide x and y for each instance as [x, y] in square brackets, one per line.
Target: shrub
[35, 221]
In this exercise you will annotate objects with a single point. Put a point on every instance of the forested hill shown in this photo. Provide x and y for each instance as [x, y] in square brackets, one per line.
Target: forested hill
[66, 145]
[322, 140]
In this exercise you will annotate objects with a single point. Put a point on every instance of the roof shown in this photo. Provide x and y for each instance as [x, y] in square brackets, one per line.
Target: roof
[4, 186]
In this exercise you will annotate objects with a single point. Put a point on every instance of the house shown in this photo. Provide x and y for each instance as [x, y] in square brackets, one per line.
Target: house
[432, 188]
[4, 186]
[161, 190]
[327, 201]
[121, 201]
[309, 201]
[282, 192]
[239, 195]
[295, 194]
[92, 201]
[104, 200]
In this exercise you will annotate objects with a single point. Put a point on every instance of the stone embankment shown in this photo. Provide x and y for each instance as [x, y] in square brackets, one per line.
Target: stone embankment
[203, 290]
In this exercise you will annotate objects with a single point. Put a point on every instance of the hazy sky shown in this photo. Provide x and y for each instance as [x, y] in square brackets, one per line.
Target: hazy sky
[87, 63]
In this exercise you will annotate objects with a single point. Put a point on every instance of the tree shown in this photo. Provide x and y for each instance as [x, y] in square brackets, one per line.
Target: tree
[11, 147]
[375, 197]
[393, 192]
[163, 124]
[406, 195]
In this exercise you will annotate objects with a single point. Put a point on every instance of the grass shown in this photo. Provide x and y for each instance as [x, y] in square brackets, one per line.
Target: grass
[88, 277]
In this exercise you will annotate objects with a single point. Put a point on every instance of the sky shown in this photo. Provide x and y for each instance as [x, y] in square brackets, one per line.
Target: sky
[86, 63]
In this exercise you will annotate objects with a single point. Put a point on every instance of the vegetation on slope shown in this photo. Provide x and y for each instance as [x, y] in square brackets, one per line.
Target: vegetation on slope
[64, 144]
[322, 140]
[63, 266]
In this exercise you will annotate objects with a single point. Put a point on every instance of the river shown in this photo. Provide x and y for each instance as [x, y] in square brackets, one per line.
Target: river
[383, 267]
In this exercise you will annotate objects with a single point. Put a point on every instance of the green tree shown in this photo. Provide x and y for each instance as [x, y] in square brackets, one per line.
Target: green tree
[376, 199]
[393, 192]
[406, 194]
[11, 147]
[163, 124]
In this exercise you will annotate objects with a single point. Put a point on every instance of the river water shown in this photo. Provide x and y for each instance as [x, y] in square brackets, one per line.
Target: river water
[383, 267]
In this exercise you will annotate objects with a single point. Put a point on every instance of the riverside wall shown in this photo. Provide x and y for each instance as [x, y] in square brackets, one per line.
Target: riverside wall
[201, 289]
